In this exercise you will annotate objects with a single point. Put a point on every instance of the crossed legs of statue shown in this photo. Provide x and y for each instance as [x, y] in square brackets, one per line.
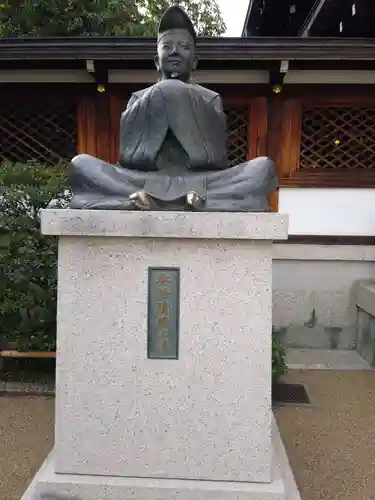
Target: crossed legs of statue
[99, 185]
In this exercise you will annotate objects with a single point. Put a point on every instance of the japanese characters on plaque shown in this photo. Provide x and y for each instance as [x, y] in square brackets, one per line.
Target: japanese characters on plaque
[163, 312]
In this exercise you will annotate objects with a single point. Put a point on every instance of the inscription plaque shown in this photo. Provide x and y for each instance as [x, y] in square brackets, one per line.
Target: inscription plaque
[163, 312]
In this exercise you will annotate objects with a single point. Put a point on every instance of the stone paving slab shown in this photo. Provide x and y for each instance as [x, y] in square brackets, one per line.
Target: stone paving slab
[325, 359]
[47, 388]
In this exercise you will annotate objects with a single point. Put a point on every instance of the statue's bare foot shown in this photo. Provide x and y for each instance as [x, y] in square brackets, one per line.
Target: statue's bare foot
[143, 201]
[194, 201]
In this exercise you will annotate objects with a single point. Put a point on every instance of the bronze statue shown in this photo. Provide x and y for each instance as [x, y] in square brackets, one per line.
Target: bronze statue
[173, 144]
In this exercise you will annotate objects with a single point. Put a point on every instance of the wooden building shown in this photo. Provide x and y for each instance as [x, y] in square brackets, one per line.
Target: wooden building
[333, 132]
[311, 18]
[309, 103]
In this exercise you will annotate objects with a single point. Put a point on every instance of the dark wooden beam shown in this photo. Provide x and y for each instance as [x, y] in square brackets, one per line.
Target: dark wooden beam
[209, 49]
[249, 14]
[328, 240]
[311, 18]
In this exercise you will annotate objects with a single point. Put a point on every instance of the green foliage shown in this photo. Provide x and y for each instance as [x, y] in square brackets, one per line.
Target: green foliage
[279, 367]
[20, 18]
[205, 14]
[28, 259]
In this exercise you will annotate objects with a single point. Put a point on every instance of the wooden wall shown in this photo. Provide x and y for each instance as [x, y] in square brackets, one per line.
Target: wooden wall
[340, 119]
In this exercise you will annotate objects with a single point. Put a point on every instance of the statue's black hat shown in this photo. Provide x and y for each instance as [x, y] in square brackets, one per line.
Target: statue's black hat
[176, 18]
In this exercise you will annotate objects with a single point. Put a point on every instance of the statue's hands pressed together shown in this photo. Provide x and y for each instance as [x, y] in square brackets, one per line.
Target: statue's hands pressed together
[172, 86]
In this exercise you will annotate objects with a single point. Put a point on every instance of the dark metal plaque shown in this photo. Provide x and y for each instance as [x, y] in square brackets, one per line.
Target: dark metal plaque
[163, 312]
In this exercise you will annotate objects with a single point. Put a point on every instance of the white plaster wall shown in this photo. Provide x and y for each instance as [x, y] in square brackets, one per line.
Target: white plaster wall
[313, 292]
[332, 212]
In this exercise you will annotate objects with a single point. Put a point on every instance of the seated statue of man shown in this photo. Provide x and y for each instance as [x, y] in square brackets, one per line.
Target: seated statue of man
[173, 144]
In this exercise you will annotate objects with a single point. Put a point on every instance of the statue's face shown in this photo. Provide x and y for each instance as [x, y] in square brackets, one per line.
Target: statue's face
[176, 54]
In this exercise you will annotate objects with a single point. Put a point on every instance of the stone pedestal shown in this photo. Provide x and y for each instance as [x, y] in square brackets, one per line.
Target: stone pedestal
[199, 426]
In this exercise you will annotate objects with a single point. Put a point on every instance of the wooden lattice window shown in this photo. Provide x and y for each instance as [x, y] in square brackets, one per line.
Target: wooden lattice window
[328, 141]
[337, 137]
[37, 132]
[238, 118]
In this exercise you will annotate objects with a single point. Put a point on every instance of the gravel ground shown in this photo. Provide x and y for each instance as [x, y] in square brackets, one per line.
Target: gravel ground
[331, 445]
[26, 437]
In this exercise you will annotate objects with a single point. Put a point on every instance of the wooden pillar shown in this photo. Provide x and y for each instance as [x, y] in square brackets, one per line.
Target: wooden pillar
[116, 107]
[290, 138]
[274, 138]
[86, 129]
[102, 123]
[98, 124]
[258, 128]
[284, 132]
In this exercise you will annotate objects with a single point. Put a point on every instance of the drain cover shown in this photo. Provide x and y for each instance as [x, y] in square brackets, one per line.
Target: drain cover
[290, 394]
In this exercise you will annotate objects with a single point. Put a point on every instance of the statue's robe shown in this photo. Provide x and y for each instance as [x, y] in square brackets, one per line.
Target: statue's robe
[173, 141]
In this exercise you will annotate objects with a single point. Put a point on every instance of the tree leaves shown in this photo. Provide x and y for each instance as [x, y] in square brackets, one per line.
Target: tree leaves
[19, 18]
[205, 15]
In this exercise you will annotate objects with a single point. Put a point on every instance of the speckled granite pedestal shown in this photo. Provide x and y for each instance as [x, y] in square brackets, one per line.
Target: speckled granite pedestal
[131, 427]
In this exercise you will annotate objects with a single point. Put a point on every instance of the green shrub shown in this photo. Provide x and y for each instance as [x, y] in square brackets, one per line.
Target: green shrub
[28, 259]
[279, 367]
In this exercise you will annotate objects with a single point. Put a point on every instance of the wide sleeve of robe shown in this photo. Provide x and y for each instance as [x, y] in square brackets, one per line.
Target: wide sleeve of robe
[198, 124]
[143, 127]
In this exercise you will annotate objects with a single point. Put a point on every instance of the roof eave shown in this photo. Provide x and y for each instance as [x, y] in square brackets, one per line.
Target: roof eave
[120, 48]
